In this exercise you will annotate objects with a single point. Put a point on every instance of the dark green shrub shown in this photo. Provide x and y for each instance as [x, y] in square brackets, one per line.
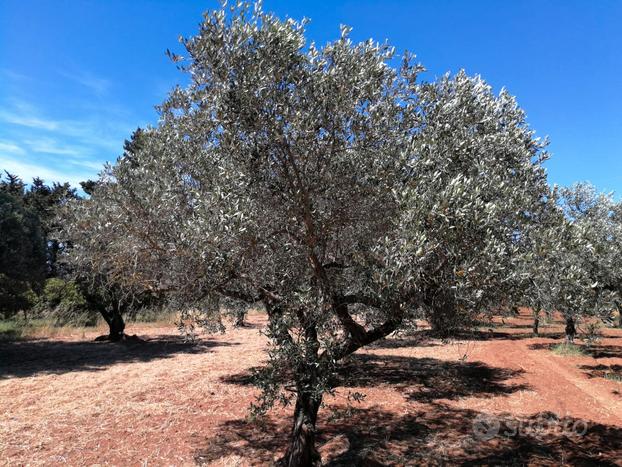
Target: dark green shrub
[62, 301]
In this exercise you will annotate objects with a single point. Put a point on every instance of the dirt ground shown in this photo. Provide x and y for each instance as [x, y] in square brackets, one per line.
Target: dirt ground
[495, 397]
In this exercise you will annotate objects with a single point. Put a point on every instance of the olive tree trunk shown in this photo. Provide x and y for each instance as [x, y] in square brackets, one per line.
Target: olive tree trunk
[443, 321]
[302, 451]
[571, 330]
[240, 319]
[116, 325]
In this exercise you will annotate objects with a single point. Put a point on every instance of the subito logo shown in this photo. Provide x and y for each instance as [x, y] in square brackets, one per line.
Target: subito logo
[486, 427]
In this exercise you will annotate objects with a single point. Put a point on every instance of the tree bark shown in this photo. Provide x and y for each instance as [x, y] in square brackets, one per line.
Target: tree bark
[302, 451]
[116, 326]
[536, 324]
[571, 330]
[240, 317]
[443, 321]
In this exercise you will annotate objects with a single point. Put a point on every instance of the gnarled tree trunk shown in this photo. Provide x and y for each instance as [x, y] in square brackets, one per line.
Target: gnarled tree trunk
[536, 324]
[301, 451]
[116, 325]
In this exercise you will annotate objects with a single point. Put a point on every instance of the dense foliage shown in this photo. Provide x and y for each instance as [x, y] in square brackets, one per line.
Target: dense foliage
[22, 254]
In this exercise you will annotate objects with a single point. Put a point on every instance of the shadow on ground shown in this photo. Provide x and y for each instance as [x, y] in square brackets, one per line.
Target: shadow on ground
[419, 379]
[25, 358]
[436, 434]
[427, 379]
[603, 371]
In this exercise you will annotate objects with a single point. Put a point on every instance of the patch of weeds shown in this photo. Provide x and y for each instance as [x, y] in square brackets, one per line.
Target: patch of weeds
[567, 349]
[593, 334]
[10, 330]
[616, 377]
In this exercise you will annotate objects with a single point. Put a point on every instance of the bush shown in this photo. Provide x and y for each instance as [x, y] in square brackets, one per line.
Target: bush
[15, 296]
[65, 304]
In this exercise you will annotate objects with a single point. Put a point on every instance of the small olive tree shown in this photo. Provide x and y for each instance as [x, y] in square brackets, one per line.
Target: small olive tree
[323, 182]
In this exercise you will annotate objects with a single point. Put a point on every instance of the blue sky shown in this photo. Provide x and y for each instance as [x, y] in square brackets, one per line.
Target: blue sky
[76, 77]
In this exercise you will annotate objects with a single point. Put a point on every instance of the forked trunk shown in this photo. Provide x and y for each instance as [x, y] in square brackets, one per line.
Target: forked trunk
[301, 451]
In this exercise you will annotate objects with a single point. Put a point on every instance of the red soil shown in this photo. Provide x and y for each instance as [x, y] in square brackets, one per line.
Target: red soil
[75, 402]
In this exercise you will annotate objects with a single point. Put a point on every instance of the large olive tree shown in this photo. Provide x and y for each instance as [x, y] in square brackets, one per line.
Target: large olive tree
[325, 183]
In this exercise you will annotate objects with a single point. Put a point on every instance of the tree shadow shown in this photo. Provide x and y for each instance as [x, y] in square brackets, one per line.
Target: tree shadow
[427, 379]
[445, 435]
[478, 335]
[417, 339]
[25, 358]
[419, 379]
[263, 441]
[437, 434]
[432, 432]
[605, 351]
[602, 371]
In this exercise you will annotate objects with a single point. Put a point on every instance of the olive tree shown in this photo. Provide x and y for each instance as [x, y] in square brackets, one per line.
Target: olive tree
[325, 183]
[588, 280]
[476, 196]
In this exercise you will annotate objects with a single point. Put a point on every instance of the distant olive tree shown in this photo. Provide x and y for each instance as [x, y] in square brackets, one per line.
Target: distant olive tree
[323, 182]
[95, 247]
[589, 278]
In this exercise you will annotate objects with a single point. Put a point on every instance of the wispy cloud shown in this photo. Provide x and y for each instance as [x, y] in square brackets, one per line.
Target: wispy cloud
[95, 83]
[14, 76]
[27, 171]
[56, 149]
[75, 126]
[52, 146]
[28, 121]
[98, 166]
[8, 147]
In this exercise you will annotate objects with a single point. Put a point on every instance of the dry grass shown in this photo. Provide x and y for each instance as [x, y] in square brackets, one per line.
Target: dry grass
[567, 349]
[71, 401]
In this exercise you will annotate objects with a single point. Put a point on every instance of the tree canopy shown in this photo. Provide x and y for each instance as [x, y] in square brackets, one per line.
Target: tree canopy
[342, 192]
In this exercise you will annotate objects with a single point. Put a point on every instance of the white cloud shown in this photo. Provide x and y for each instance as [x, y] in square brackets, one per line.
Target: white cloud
[28, 120]
[27, 171]
[15, 76]
[101, 132]
[68, 143]
[8, 147]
